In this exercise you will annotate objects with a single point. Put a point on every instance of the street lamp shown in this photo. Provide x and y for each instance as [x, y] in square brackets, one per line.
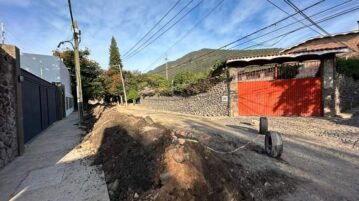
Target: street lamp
[78, 79]
[65, 41]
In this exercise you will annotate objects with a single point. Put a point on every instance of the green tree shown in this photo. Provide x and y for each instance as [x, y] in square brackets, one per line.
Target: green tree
[112, 83]
[183, 80]
[132, 95]
[115, 58]
[92, 83]
[348, 67]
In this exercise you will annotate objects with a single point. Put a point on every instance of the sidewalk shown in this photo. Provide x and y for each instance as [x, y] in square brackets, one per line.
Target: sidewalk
[53, 169]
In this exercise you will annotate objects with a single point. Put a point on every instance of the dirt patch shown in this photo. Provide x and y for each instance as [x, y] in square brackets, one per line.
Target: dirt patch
[143, 160]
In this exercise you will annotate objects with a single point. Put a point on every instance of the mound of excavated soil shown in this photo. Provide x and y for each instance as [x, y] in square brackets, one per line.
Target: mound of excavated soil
[142, 160]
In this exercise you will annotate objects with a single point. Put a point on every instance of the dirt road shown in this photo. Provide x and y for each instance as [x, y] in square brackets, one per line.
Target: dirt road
[321, 154]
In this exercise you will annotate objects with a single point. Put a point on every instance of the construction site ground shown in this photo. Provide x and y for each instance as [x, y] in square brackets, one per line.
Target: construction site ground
[155, 155]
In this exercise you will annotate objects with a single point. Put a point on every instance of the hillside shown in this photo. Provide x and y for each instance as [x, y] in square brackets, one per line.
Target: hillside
[205, 63]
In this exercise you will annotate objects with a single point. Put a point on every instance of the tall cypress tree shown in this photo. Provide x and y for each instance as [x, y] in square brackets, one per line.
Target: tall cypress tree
[115, 58]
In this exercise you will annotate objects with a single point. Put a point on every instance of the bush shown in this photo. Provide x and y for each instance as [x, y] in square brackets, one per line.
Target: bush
[185, 79]
[349, 67]
[132, 95]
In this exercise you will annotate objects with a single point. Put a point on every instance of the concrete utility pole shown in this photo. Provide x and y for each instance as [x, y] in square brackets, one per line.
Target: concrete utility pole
[76, 33]
[166, 67]
[2, 33]
[123, 83]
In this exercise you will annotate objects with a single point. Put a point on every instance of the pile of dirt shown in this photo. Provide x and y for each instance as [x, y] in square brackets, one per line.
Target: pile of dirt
[143, 160]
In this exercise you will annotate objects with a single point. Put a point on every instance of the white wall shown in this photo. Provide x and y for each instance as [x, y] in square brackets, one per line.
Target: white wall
[49, 68]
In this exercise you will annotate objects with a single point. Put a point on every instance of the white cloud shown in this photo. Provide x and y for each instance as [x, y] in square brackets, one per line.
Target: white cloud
[44, 23]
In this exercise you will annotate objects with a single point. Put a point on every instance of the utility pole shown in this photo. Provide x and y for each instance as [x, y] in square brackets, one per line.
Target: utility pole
[123, 83]
[166, 67]
[2, 33]
[76, 33]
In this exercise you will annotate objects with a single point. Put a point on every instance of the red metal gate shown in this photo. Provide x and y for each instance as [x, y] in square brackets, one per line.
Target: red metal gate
[287, 97]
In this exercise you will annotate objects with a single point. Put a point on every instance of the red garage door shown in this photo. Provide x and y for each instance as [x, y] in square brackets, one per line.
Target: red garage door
[288, 97]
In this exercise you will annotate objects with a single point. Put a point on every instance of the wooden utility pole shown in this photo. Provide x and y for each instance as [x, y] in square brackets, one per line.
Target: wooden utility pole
[76, 33]
[166, 67]
[123, 83]
[2, 33]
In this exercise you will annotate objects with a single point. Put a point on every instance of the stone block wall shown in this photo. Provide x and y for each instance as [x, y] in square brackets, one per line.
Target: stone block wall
[205, 104]
[347, 93]
[328, 86]
[9, 141]
[233, 91]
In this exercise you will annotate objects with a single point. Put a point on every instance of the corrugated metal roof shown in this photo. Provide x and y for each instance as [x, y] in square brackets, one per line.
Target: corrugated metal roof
[291, 55]
[321, 37]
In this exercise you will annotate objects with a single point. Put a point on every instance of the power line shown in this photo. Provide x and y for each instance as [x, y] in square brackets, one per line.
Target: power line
[288, 25]
[189, 31]
[282, 35]
[281, 9]
[188, 12]
[161, 28]
[154, 26]
[315, 24]
[253, 33]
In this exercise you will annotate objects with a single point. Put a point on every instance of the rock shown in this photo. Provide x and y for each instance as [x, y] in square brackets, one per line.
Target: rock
[267, 184]
[252, 195]
[3, 154]
[164, 177]
[1, 145]
[178, 155]
[149, 120]
[113, 186]
[181, 141]
[136, 196]
[111, 193]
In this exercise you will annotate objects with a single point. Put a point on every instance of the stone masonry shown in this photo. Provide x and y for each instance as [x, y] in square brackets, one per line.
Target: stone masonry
[346, 93]
[205, 104]
[9, 148]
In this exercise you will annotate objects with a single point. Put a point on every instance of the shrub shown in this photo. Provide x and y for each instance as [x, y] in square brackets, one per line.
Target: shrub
[349, 67]
[132, 95]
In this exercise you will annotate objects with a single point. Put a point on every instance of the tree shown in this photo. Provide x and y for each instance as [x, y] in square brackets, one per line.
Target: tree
[112, 83]
[92, 82]
[132, 95]
[115, 58]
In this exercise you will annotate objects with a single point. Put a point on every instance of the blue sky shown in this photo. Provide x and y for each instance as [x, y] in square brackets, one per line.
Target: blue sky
[38, 26]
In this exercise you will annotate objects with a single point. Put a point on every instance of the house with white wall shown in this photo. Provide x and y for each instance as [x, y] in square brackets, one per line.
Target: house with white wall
[51, 69]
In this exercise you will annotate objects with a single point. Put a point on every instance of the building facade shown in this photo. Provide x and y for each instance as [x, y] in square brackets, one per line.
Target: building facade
[51, 69]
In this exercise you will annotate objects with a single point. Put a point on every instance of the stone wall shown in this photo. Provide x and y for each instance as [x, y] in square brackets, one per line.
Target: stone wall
[9, 141]
[205, 104]
[347, 93]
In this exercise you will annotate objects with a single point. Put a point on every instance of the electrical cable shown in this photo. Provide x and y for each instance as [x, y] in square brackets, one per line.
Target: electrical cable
[287, 33]
[162, 27]
[188, 31]
[315, 24]
[253, 33]
[191, 10]
[153, 27]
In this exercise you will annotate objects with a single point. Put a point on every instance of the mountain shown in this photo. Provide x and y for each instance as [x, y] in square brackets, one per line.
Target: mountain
[201, 60]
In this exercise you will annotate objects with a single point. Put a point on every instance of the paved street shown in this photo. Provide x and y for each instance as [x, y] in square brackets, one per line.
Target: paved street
[53, 168]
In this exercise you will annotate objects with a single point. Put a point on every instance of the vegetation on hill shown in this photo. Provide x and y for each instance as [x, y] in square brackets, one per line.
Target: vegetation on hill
[190, 79]
[205, 63]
